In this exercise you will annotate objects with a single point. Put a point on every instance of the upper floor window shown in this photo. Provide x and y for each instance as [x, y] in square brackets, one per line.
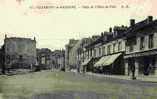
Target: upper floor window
[114, 47]
[142, 43]
[131, 48]
[99, 51]
[91, 52]
[94, 52]
[88, 53]
[151, 39]
[119, 46]
[109, 49]
[103, 50]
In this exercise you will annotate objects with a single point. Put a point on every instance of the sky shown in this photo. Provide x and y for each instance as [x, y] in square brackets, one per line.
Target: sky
[54, 27]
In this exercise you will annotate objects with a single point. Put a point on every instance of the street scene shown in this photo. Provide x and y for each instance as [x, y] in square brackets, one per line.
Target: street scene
[120, 63]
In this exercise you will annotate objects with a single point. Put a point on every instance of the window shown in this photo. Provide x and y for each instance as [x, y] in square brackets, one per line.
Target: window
[91, 52]
[151, 43]
[131, 48]
[119, 46]
[109, 49]
[141, 43]
[88, 53]
[94, 52]
[20, 57]
[114, 47]
[43, 60]
[99, 51]
[103, 50]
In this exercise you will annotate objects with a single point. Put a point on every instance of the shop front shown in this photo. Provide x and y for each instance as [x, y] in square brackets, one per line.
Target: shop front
[144, 63]
[110, 64]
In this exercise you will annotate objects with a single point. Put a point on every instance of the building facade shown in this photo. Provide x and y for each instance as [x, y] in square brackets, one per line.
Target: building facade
[58, 60]
[82, 52]
[68, 53]
[19, 52]
[141, 48]
[105, 55]
[44, 58]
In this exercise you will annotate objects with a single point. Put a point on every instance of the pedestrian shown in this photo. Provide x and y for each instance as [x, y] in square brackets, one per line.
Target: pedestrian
[133, 71]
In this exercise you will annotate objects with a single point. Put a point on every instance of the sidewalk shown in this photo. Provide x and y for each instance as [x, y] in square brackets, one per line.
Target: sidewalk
[141, 77]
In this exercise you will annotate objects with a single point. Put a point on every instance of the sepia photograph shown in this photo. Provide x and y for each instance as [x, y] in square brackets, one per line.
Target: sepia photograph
[78, 49]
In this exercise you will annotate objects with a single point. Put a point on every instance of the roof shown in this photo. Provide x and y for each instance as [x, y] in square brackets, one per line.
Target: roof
[98, 40]
[18, 38]
[109, 35]
[140, 26]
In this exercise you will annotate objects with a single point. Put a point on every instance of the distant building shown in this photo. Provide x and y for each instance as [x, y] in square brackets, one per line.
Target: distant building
[2, 60]
[58, 59]
[68, 49]
[48, 59]
[19, 52]
[44, 58]
[83, 53]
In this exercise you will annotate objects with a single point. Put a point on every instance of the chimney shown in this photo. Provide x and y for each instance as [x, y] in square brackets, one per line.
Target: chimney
[5, 35]
[132, 22]
[102, 34]
[150, 19]
[34, 39]
[110, 29]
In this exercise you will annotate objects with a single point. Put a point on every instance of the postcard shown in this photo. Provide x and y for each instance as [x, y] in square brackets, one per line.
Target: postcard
[78, 49]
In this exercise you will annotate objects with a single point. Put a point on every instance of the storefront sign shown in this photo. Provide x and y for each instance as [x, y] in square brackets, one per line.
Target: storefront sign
[141, 54]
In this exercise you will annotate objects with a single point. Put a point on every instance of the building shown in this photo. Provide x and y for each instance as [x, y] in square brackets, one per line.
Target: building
[83, 54]
[111, 51]
[141, 48]
[68, 49]
[44, 58]
[105, 54]
[58, 59]
[2, 60]
[19, 52]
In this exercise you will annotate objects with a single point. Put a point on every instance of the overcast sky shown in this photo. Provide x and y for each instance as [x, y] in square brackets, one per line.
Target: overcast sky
[54, 27]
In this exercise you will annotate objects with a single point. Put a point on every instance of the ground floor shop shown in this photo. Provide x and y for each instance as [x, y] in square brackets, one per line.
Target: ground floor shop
[88, 64]
[141, 64]
[110, 64]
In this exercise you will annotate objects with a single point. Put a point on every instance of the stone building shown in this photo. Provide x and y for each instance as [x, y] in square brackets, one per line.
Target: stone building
[110, 51]
[2, 60]
[19, 52]
[81, 52]
[83, 56]
[106, 52]
[141, 48]
[44, 58]
[68, 48]
[58, 59]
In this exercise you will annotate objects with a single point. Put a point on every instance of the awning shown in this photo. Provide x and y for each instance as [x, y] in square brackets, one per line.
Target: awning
[107, 60]
[86, 61]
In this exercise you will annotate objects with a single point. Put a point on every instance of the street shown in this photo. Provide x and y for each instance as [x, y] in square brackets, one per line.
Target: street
[71, 85]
